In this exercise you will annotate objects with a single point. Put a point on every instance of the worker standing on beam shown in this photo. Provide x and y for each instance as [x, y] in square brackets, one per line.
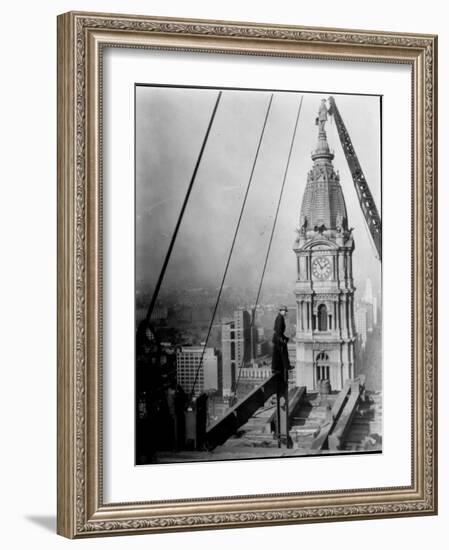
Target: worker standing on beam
[280, 365]
[280, 361]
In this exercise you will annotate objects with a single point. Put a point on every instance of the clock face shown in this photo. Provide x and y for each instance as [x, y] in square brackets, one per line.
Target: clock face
[321, 268]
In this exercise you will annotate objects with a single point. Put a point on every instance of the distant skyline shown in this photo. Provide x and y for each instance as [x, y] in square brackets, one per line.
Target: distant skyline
[170, 127]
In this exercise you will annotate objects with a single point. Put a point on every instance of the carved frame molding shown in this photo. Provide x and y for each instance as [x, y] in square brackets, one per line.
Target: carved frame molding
[81, 37]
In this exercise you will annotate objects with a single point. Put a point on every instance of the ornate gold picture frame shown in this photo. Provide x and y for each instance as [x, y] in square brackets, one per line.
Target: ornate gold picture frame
[82, 41]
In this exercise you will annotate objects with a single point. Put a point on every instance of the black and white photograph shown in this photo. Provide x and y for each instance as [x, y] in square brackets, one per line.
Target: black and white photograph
[258, 273]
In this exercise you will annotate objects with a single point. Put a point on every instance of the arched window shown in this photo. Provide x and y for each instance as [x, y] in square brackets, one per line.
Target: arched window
[322, 356]
[322, 317]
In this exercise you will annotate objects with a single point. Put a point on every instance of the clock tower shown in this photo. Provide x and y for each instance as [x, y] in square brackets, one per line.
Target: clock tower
[324, 290]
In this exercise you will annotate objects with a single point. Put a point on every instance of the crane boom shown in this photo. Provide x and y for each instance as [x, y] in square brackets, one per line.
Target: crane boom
[363, 191]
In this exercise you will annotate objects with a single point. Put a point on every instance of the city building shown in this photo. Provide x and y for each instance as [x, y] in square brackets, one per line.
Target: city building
[262, 348]
[159, 313]
[325, 328]
[368, 296]
[369, 317]
[361, 318]
[238, 346]
[366, 314]
[375, 320]
[369, 339]
[200, 363]
[369, 300]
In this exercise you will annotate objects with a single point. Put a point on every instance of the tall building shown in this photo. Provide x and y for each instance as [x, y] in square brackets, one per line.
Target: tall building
[375, 311]
[191, 360]
[325, 329]
[361, 317]
[238, 345]
[368, 295]
[370, 302]
[369, 317]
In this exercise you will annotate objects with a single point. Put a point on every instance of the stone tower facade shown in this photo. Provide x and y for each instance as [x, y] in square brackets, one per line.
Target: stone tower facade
[324, 289]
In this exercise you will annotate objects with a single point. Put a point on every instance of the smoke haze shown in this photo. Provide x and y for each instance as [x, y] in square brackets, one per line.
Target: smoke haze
[170, 126]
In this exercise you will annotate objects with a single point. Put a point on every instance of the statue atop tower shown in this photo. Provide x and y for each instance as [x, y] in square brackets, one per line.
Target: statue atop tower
[322, 116]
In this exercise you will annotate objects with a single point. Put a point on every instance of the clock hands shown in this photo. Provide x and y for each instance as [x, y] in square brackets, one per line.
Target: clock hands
[321, 267]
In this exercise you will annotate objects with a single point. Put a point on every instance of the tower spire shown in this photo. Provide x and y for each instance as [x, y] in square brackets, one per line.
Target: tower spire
[323, 205]
[322, 147]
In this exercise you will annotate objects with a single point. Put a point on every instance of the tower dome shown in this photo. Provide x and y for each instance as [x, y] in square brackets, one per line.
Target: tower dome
[323, 204]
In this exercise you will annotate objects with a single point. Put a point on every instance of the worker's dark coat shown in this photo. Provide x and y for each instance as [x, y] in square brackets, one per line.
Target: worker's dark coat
[280, 361]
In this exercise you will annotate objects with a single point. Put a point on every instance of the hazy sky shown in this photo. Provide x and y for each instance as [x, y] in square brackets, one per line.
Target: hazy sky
[170, 126]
